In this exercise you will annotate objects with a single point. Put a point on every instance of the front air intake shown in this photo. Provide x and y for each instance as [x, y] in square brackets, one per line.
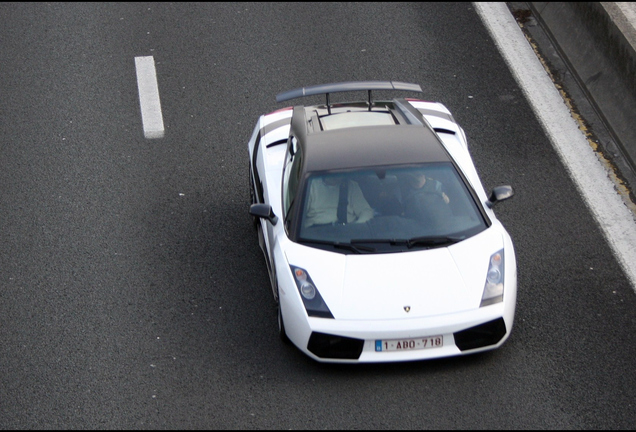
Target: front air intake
[335, 347]
[486, 334]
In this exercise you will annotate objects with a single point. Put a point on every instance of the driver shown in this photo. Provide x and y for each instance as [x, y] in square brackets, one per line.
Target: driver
[424, 199]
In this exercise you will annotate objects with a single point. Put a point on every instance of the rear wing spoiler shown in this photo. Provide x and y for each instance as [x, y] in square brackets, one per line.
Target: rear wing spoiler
[326, 89]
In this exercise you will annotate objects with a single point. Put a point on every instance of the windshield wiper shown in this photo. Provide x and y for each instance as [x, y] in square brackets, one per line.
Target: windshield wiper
[357, 245]
[433, 241]
[430, 241]
[392, 242]
[342, 245]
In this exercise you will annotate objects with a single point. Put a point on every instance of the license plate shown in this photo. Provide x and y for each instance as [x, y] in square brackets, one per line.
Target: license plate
[409, 344]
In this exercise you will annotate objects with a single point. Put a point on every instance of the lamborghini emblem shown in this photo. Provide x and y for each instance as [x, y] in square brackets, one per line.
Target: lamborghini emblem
[407, 309]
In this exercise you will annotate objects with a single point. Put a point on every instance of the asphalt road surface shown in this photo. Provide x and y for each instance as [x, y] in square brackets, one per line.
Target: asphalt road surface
[133, 294]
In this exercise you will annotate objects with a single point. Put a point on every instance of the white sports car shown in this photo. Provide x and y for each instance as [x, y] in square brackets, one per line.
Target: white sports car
[380, 241]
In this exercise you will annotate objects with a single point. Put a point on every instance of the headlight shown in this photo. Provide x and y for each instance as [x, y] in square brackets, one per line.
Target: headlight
[308, 291]
[493, 290]
[314, 304]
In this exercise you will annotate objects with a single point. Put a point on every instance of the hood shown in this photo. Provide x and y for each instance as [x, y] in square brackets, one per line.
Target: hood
[383, 286]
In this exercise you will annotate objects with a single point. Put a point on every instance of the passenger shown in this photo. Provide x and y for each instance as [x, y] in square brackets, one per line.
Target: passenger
[325, 206]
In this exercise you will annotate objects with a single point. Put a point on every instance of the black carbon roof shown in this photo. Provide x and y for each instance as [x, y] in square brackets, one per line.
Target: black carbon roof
[368, 146]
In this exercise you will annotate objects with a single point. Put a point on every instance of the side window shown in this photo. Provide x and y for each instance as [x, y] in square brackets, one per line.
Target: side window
[291, 175]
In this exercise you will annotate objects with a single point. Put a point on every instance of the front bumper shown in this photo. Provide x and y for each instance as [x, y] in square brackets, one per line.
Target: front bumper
[333, 347]
[338, 341]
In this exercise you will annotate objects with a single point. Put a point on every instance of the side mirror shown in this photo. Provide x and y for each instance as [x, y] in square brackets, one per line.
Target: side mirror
[264, 211]
[500, 193]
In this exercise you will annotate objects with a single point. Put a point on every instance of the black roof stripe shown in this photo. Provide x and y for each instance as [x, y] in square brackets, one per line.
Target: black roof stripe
[274, 125]
[435, 113]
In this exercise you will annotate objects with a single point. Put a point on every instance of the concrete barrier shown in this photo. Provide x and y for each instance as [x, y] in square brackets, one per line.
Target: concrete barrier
[597, 41]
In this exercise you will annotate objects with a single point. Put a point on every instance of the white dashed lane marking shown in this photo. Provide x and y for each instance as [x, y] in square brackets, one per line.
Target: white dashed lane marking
[151, 115]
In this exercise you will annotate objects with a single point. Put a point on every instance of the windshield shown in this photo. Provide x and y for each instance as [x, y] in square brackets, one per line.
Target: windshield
[388, 209]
